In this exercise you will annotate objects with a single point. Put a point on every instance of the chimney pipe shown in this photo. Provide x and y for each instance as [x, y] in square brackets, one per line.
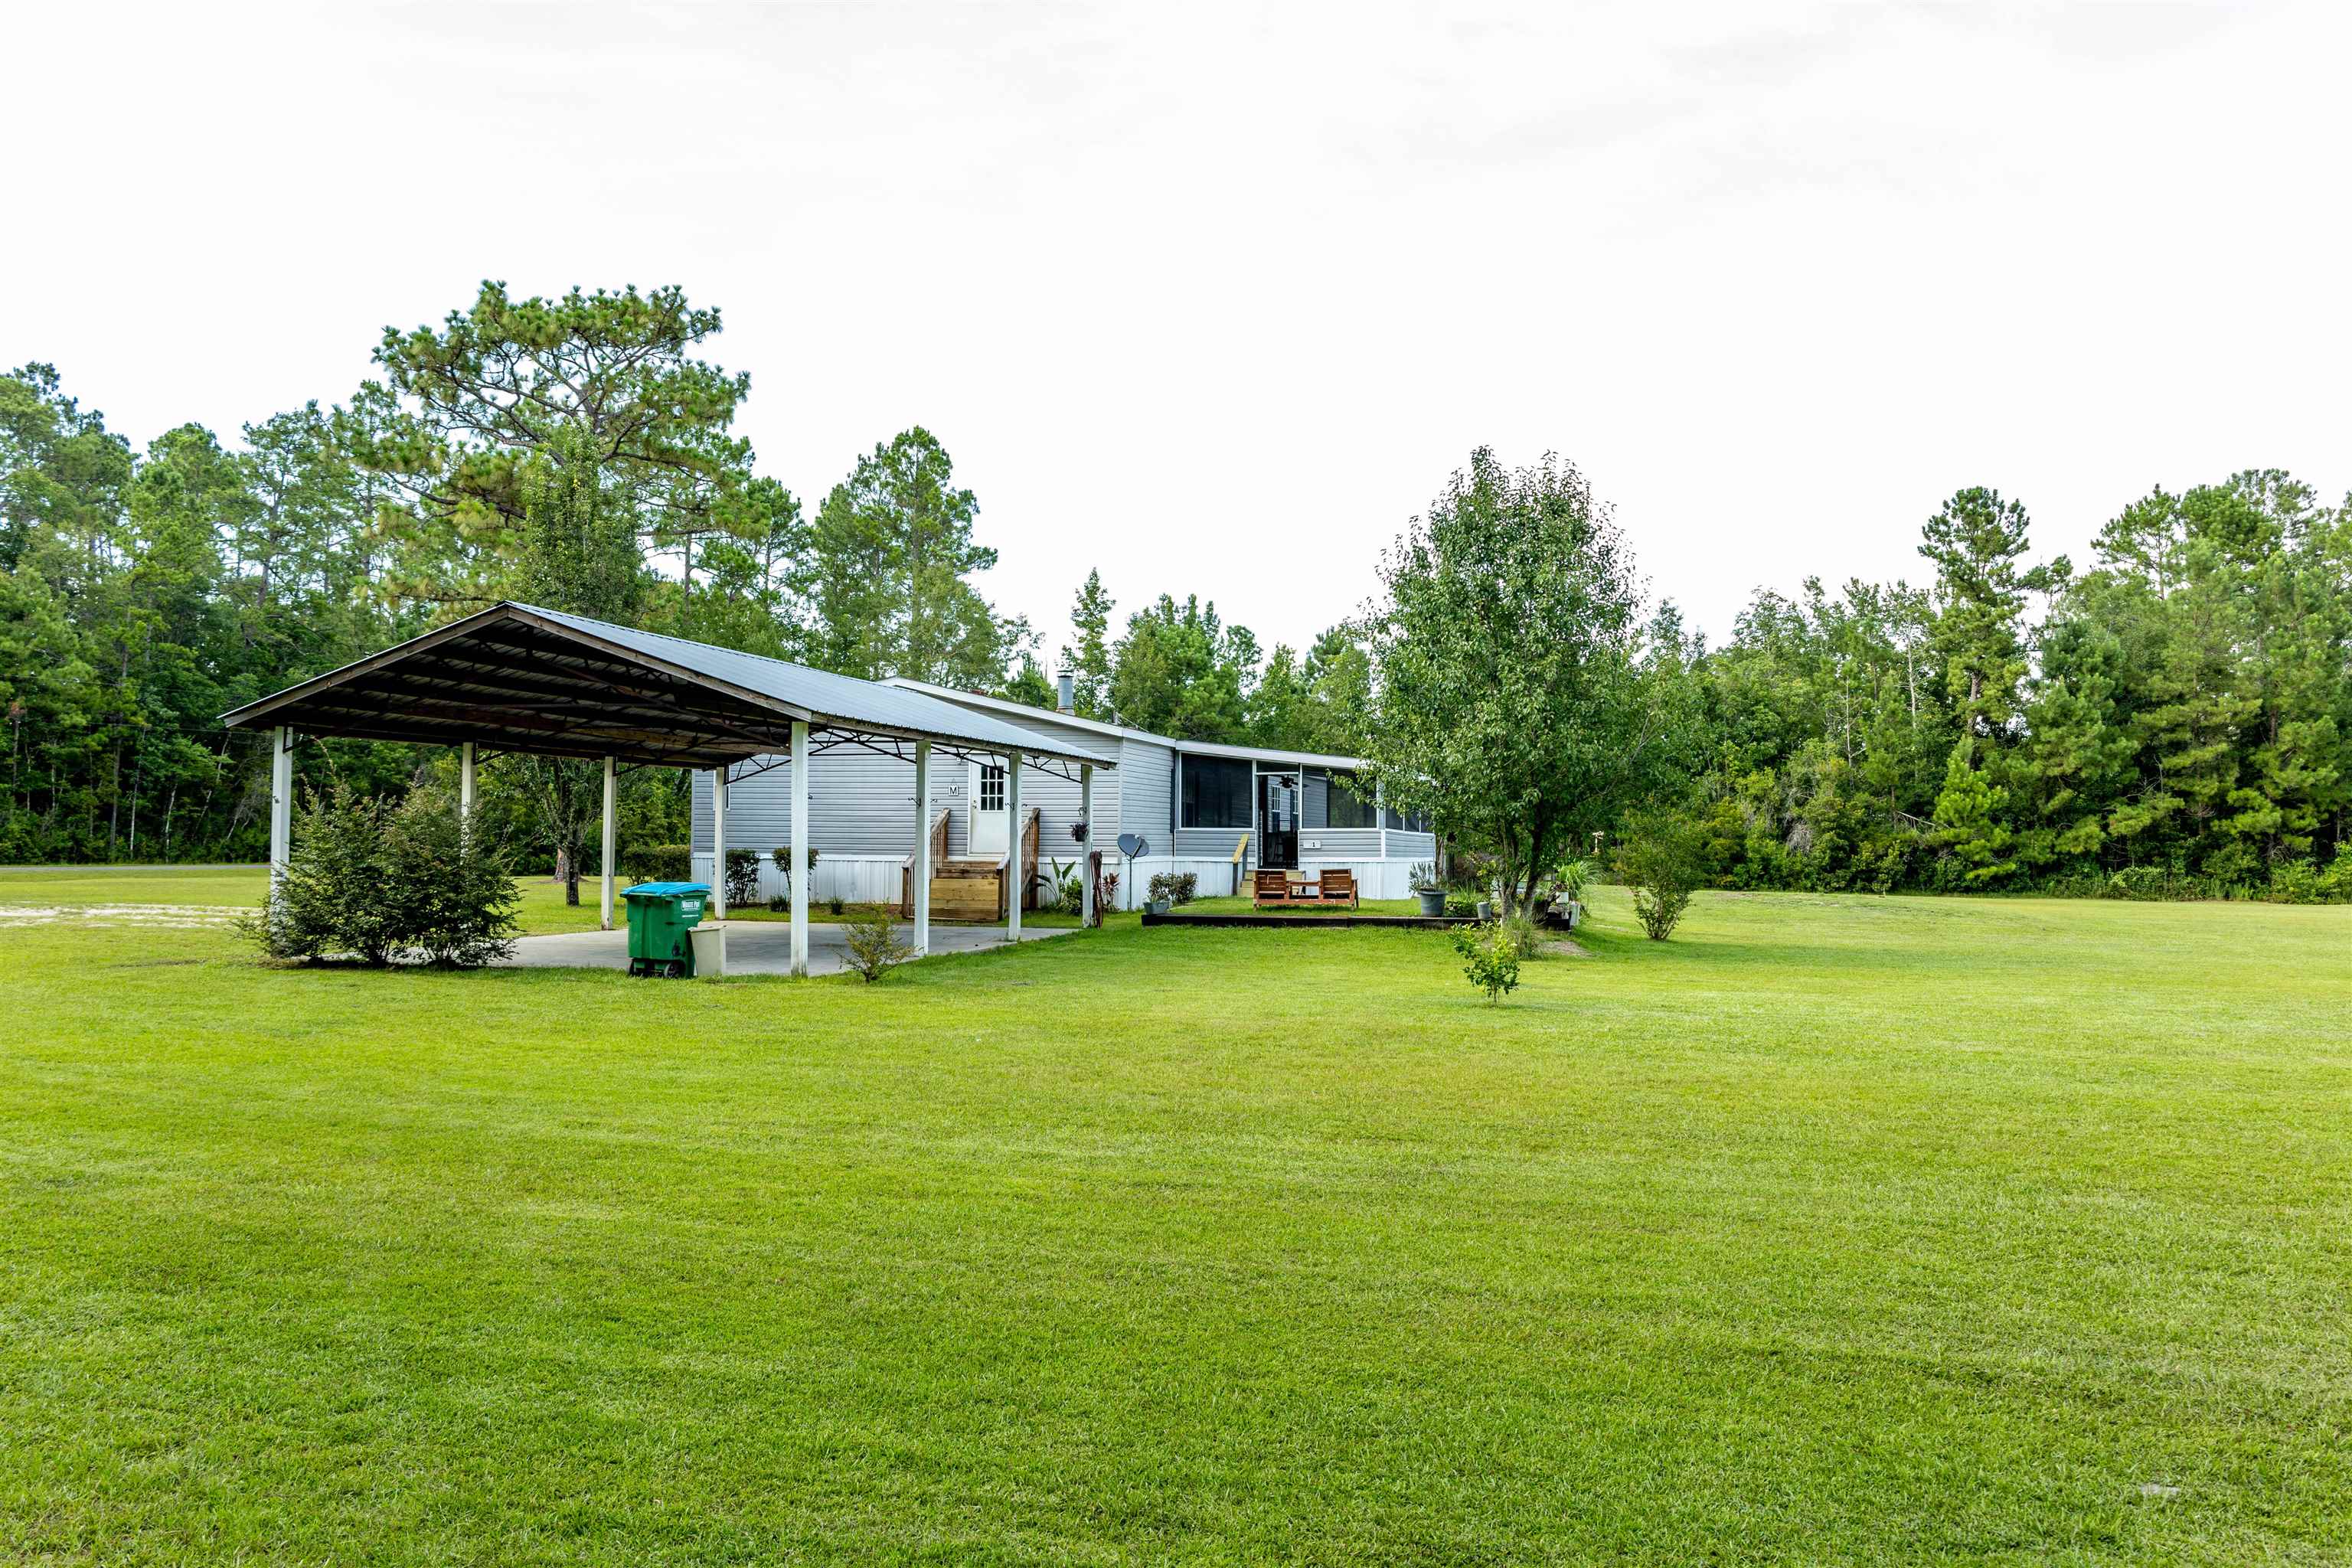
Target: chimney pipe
[1065, 690]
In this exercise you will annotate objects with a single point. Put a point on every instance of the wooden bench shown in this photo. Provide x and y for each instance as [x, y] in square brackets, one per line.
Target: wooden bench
[1275, 890]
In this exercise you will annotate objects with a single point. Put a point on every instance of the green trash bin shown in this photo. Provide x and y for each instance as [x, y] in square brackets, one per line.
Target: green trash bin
[660, 915]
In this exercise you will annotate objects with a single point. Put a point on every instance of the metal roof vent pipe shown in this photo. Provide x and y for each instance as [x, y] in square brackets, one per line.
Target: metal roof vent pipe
[1065, 691]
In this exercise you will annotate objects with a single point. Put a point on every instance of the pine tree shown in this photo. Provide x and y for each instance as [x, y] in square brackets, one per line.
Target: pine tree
[1089, 654]
[1971, 825]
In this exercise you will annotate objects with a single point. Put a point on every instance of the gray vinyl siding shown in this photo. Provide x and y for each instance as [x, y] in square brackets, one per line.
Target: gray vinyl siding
[1212, 843]
[1403, 845]
[1339, 843]
[862, 803]
[1146, 785]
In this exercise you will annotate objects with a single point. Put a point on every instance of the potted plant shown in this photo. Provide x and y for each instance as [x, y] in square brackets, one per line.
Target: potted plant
[1569, 905]
[1428, 890]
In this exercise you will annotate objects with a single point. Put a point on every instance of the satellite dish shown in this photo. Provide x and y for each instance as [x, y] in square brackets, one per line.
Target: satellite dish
[1133, 843]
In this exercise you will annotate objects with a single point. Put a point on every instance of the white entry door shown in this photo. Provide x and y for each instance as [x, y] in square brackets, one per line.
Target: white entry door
[988, 833]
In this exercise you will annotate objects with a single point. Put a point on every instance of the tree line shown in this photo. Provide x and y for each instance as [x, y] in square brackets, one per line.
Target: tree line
[578, 453]
[2169, 720]
[2174, 713]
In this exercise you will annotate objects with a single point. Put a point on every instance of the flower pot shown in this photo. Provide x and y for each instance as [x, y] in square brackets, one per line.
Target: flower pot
[1485, 910]
[1432, 900]
[1160, 906]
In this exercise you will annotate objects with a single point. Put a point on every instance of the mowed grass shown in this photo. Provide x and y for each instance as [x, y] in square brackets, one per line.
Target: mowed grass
[1837, 1230]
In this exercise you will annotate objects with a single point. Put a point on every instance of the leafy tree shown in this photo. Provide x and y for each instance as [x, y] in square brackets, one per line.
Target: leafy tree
[1516, 704]
[1490, 958]
[62, 472]
[1658, 857]
[1318, 703]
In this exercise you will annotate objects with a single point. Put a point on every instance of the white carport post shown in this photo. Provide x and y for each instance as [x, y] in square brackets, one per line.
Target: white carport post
[719, 843]
[922, 878]
[800, 847]
[1013, 878]
[1087, 847]
[465, 786]
[281, 805]
[611, 844]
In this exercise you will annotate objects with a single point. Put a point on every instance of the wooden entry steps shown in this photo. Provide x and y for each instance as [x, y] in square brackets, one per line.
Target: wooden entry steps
[966, 891]
[970, 889]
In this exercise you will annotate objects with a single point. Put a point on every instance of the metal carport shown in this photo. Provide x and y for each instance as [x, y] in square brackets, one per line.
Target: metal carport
[519, 679]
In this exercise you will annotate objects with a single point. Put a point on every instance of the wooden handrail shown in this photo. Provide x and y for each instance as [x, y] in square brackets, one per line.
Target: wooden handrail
[1031, 817]
[939, 843]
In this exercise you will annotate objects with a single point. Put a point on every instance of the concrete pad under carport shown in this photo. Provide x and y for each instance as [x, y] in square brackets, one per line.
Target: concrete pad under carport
[755, 947]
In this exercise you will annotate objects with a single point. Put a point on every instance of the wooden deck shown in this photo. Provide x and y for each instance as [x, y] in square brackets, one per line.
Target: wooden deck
[1297, 923]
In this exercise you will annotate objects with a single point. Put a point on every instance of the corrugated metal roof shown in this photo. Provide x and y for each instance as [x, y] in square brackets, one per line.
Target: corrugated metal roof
[417, 692]
[1097, 727]
[845, 701]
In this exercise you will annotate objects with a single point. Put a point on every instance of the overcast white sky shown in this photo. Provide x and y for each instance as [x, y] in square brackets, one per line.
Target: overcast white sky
[1215, 297]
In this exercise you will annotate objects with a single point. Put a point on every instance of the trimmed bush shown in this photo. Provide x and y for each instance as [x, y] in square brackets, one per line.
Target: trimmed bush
[742, 877]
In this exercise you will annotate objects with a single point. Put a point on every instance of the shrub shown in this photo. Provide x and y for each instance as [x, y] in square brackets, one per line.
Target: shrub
[1106, 894]
[874, 948]
[1466, 871]
[1424, 877]
[742, 876]
[2148, 884]
[454, 900]
[778, 904]
[2336, 882]
[377, 884]
[659, 863]
[1659, 859]
[1573, 875]
[834, 906]
[1176, 886]
[1489, 959]
[331, 900]
[1520, 933]
[2297, 882]
[783, 857]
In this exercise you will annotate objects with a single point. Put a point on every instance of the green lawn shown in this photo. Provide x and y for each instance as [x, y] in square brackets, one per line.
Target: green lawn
[1837, 1230]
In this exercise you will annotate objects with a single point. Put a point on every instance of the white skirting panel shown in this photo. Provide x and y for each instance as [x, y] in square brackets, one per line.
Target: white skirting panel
[853, 878]
[875, 879]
